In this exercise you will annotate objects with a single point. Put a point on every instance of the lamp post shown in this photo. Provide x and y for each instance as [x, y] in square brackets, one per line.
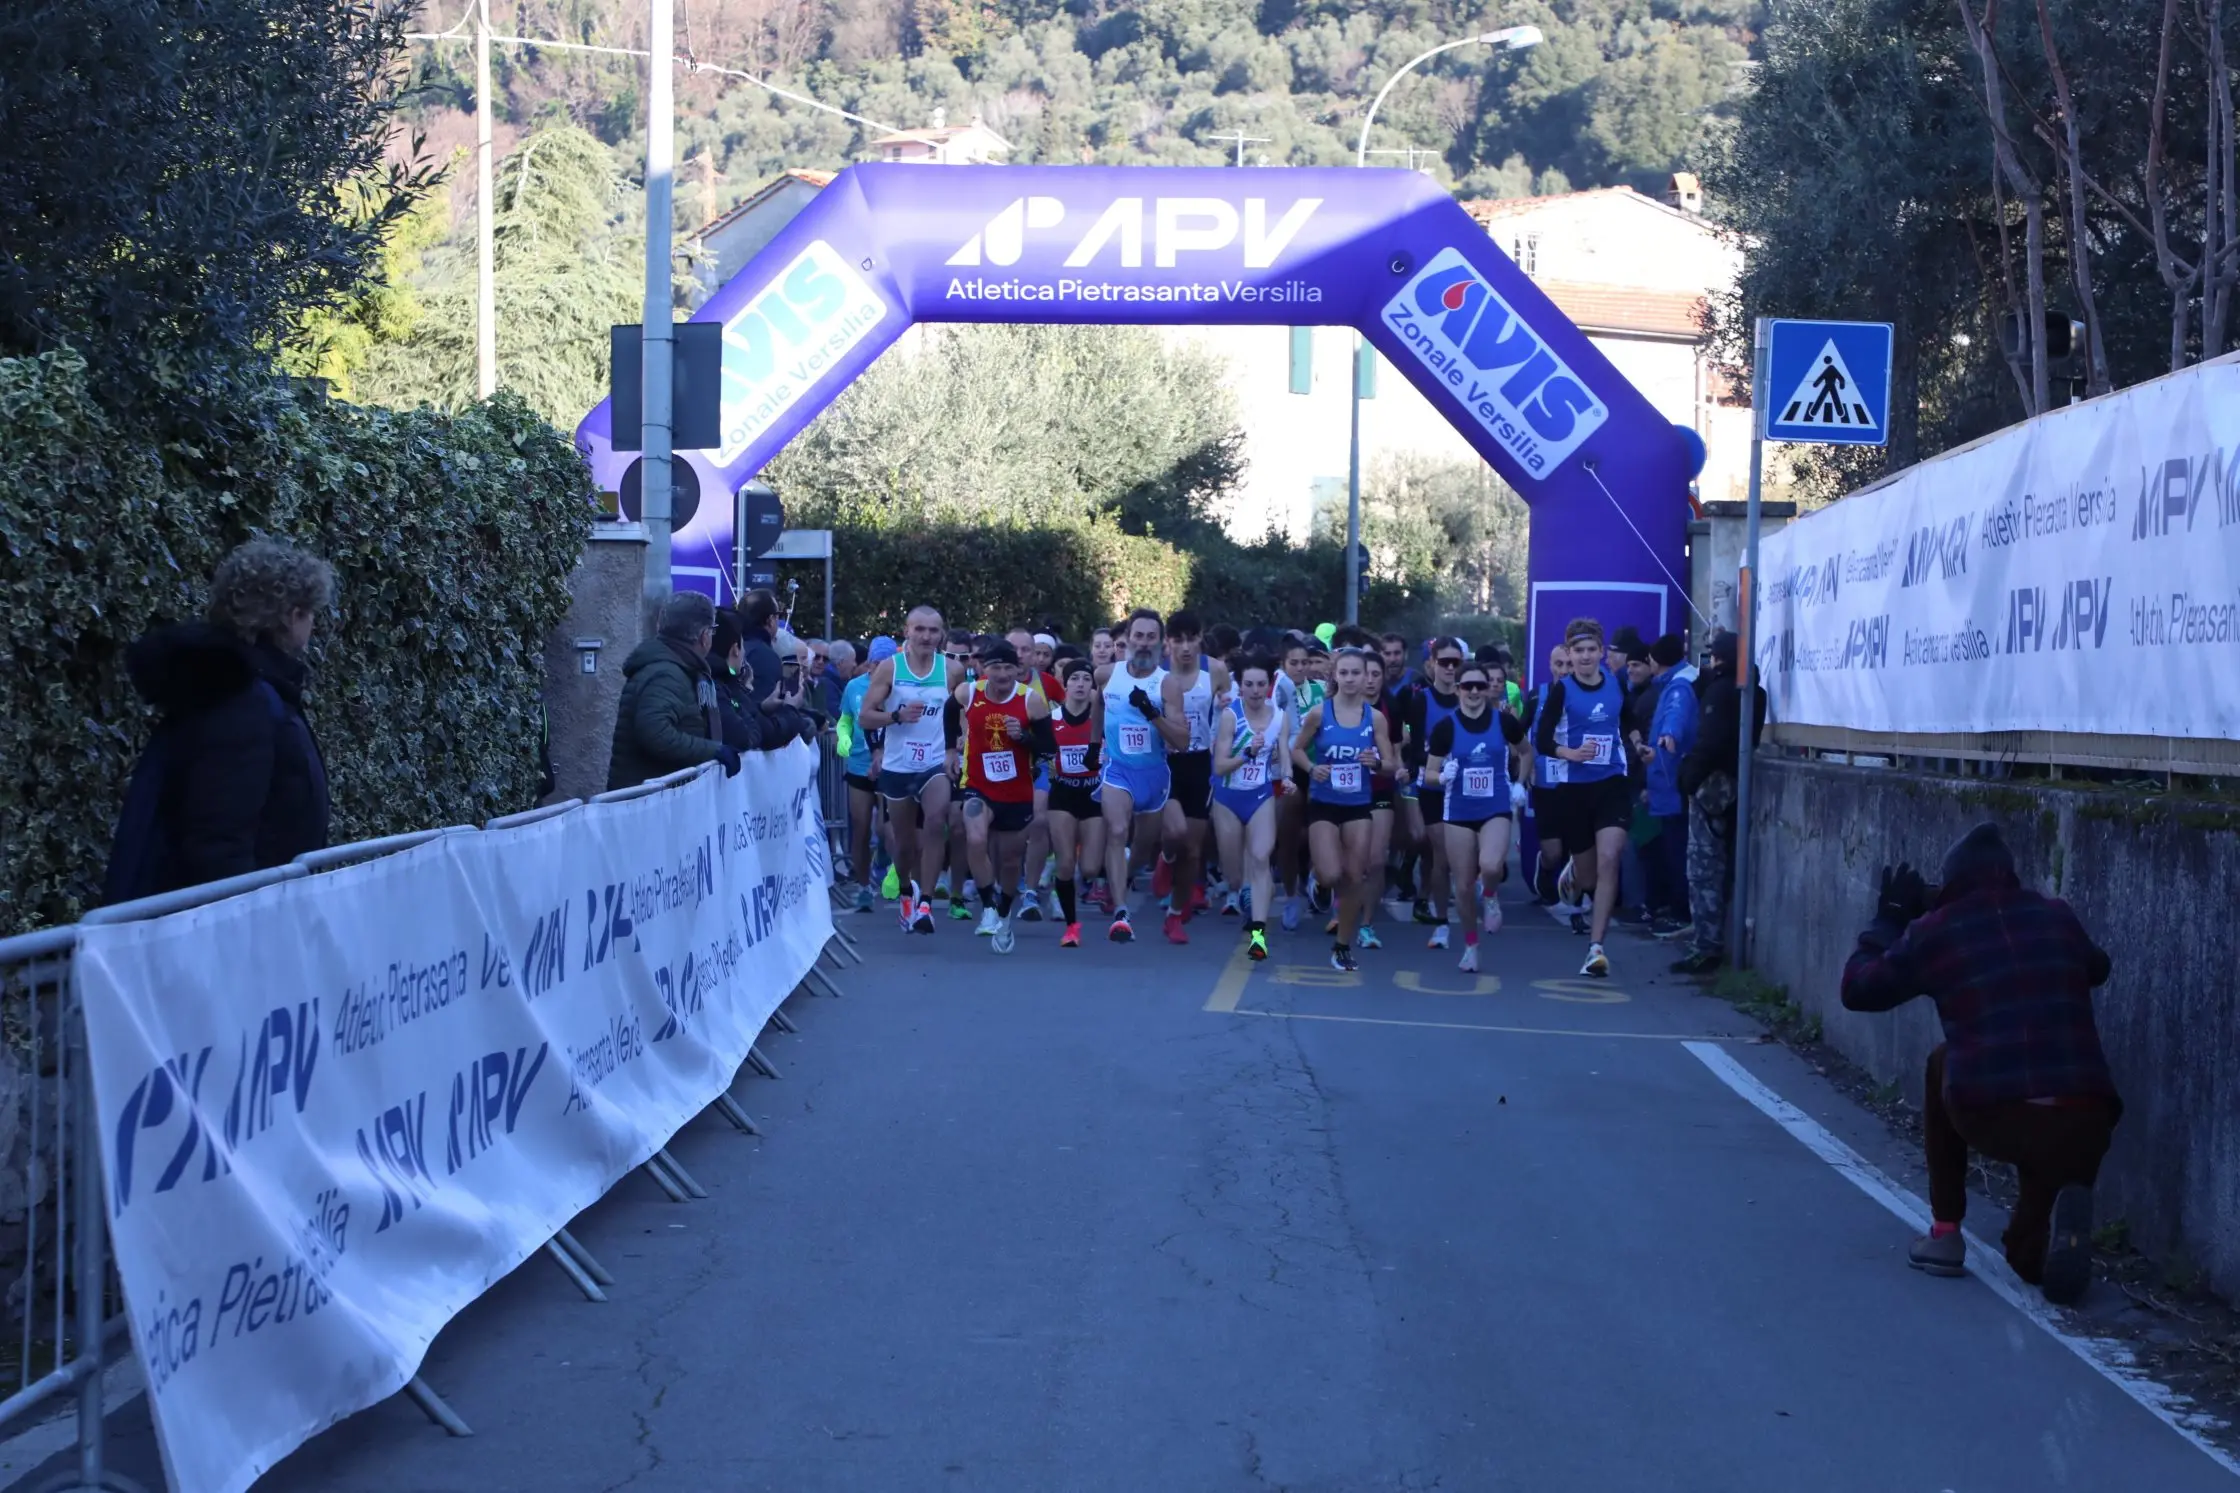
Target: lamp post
[1508, 38]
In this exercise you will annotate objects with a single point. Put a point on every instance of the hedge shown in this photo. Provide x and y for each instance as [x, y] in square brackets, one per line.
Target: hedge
[452, 536]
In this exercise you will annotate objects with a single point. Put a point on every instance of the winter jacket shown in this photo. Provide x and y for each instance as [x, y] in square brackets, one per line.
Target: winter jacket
[668, 718]
[1719, 732]
[1634, 718]
[243, 785]
[747, 725]
[1674, 716]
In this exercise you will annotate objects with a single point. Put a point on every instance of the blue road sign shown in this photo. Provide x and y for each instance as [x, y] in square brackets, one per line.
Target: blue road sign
[1828, 382]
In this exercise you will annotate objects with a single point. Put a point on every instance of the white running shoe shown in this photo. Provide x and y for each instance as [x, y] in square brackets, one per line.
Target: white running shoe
[1438, 939]
[1003, 941]
[1597, 966]
[1469, 965]
[1491, 919]
[990, 923]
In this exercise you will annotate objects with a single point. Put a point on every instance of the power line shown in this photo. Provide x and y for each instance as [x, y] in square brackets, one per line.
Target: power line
[687, 63]
[1410, 151]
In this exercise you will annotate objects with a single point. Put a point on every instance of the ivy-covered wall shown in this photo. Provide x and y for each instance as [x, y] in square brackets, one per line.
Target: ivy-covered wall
[452, 537]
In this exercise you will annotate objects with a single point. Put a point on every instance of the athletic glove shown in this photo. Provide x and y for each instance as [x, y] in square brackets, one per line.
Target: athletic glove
[1905, 896]
[1143, 702]
[729, 757]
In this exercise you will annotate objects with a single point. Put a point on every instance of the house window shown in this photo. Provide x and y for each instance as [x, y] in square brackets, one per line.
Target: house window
[1526, 252]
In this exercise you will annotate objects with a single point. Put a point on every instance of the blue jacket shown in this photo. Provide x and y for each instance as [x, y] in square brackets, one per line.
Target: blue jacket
[1675, 717]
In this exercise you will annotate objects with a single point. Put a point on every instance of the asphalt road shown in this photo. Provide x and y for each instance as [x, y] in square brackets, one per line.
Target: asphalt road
[1149, 1218]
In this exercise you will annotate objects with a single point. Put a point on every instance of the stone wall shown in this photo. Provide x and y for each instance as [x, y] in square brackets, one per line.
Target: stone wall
[2157, 882]
[608, 587]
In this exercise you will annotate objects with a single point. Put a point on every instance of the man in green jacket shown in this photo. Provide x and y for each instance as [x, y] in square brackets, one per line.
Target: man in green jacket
[668, 717]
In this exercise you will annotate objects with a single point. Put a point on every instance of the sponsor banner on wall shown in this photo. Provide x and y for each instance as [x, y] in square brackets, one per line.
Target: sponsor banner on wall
[2078, 573]
[337, 1110]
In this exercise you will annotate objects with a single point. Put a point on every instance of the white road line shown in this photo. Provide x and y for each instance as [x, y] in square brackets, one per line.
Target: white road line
[2112, 1360]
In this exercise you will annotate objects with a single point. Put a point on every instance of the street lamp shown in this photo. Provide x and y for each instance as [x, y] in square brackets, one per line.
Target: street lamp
[1508, 38]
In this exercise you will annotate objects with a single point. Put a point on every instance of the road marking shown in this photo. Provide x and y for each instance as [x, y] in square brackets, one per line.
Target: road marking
[1581, 992]
[1469, 1026]
[1408, 979]
[2112, 1360]
[1229, 989]
[1316, 976]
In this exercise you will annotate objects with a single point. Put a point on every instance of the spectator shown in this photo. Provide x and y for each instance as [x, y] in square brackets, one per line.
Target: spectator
[670, 716]
[758, 628]
[1672, 735]
[1707, 778]
[746, 726]
[232, 780]
[2020, 1076]
[839, 670]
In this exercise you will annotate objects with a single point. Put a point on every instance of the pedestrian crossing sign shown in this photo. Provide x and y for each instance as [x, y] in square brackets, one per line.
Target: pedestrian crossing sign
[1828, 382]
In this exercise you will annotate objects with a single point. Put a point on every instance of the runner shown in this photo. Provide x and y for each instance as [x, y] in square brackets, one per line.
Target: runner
[1548, 773]
[1427, 707]
[1035, 678]
[998, 726]
[1250, 749]
[860, 743]
[1076, 820]
[1102, 648]
[1187, 693]
[1340, 743]
[1469, 760]
[1384, 789]
[905, 701]
[1594, 810]
[1137, 738]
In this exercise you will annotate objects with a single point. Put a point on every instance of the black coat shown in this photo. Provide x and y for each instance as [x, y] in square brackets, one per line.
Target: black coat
[667, 718]
[245, 788]
[749, 726]
[1719, 734]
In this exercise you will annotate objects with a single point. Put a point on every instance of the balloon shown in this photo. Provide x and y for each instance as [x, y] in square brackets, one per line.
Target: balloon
[1698, 453]
[1326, 632]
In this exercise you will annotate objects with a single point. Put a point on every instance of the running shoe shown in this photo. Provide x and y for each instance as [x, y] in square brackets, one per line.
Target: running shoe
[1071, 938]
[1438, 939]
[923, 921]
[960, 910]
[1319, 895]
[1598, 963]
[1490, 919]
[1367, 939]
[1162, 876]
[1120, 931]
[1342, 959]
[1003, 940]
[971, 890]
[941, 887]
[891, 888]
[909, 911]
[1097, 897]
[1469, 964]
[1172, 926]
[1256, 947]
[1030, 907]
[865, 902]
[990, 921]
[1291, 916]
[1581, 926]
[1229, 906]
[1331, 926]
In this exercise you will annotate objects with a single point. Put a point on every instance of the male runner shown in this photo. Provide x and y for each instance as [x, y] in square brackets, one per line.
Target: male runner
[1580, 725]
[905, 700]
[1036, 681]
[999, 728]
[1188, 692]
[1548, 774]
[860, 743]
[1076, 819]
[1138, 734]
[1427, 707]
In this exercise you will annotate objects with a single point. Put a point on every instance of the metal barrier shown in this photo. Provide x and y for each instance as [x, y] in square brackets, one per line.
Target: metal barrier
[66, 1334]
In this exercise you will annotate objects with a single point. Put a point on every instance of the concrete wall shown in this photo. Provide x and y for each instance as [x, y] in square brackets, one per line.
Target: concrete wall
[580, 707]
[2156, 882]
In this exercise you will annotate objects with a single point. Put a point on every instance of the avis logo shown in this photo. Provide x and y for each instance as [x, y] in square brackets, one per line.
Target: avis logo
[2078, 617]
[1493, 362]
[1937, 550]
[1177, 225]
[2171, 493]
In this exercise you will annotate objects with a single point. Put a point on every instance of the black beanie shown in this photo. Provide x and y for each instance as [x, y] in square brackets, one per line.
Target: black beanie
[1667, 650]
[1627, 640]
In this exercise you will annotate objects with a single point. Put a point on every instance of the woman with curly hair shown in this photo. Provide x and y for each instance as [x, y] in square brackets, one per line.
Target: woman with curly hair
[232, 780]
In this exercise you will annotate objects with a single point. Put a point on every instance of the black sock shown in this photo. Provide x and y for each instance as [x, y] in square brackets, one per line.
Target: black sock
[1342, 950]
[988, 898]
[1066, 902]
[1003, 904]
[1252, 926]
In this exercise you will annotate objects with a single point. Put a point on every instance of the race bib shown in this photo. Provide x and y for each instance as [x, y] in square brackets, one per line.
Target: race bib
[917, 755]
[1481, 782]
[1135, 740]
[1603, 746]
[1554, 772]
[1345, 777]
[1073, 761]
[1251, 775]
[999, 767]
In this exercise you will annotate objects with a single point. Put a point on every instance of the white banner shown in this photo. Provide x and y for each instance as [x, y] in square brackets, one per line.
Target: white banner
[335, 1111]
[2077, 573]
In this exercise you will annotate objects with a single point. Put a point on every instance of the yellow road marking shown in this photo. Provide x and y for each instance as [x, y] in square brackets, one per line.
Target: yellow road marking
[1229, 989]
[1470, 1026]
[1581, 992]
[1408, 979]
[1315, 975]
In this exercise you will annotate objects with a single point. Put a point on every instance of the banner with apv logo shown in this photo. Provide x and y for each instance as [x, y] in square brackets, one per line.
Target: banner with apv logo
[2079, 573]
[335, 1111]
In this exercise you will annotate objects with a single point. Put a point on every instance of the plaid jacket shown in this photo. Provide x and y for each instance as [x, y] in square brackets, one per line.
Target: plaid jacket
[2012, 974]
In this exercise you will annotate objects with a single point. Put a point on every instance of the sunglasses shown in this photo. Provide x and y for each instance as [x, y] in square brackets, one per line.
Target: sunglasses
[1448, 663]
[1477, 684]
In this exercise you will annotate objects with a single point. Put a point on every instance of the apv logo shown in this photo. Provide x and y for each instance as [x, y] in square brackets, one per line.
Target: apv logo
[1177, 226]
[2076, 615]
[2172, 492]
[1866, 645]
[1938, 550]
[794, 332]
[1496, 365]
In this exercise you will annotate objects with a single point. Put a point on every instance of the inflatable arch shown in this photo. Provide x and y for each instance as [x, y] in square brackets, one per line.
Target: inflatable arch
[1384, 251]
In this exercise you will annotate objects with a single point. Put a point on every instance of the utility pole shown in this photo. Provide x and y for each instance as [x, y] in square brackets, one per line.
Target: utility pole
[1242, 140]
[659, 348]
[485, 212]
[1410, 151]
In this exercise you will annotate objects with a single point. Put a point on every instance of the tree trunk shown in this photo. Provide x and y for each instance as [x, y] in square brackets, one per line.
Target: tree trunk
[1981, 33]
[2176, 277]
[2220, 228]
[2097, 380]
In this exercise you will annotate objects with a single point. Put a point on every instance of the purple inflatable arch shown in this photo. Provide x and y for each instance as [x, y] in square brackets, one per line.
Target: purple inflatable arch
[1385, 251]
